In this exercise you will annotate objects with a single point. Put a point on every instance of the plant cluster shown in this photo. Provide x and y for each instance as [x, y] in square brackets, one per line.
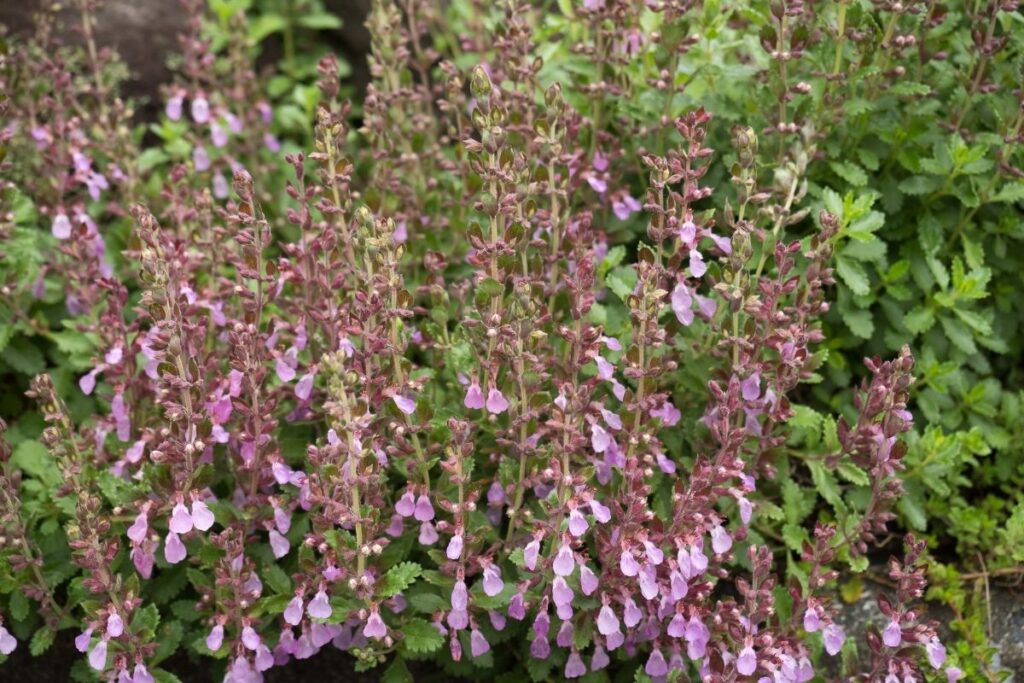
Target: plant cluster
[543, 357]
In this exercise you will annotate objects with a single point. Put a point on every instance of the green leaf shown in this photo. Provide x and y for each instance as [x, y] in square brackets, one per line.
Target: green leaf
[850, 172]
[277, 579]
[18, 605]
[852, 273]
[24, 356]
[398, 672]
[622, 281]
[320, 21]
[1010, 192]
[959, 334]
[853, 474]
[914, 513]
[264, 25]
[32, 458]
[860, 322]
[398, 578]
[421, 636]
[919, 320]
[41, 641]
[826, 484]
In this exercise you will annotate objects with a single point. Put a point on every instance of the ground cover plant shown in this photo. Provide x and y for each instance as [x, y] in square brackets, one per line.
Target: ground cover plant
[603, 340]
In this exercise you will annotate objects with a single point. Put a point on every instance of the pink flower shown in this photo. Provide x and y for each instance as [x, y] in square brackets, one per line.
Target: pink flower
[319, 607]
[279, 544]
[746, 509]
[600, 659]
[88, 382]
[560, 592]
[624, 206]
[953, 674]
[893, 635]
[293, 612]
[628, 564]
[496, 402]
[428, 534]
[746, 663]
[605, 370]
[834, 638]
[174, 549]
[474, 397]
[216, 638]
[201, 158]
[406, 405]
[202, 517]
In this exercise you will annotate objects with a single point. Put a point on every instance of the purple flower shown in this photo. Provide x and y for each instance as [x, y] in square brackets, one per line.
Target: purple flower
[220, 186]
[218, 135]
[139, 528]
[953, 674]
[428, 534]
[458, 619]
[496, 402]
[560, 592]
[834, 638]
[530, 554]
[588, 580]
[721, 541]
[751, 387]
[216, 638]
[460, 596]
[564, 561]
[656, 664]
[936, 652]
[600, 659]
[201, 158]
[375, 627]
[746, 663]
[279, 544]
[577, 523]
[424, 511]
[98, 656]
[202, 517]
[631, 615]
[493, 585]
[173, 107]
[598, 184]
[406, 405]
[607, 622]
[174, 549]
[599, 438]
[141, 674]
[406, 505]
[82, 640]
[88, 382]
[251, 639]
[293, 612]
[540, 648]
[812, 622]
[478, 645]
[61, 227]
[454, 550]
[892, 634]
[574, 666]
[319, 607]
[115, 625]
[746, 509]
[682, 304]
[474, 397]
[517, 607]
[304, 387]
[628, 564]
[7, 642]
[697, 265]
[200, 109]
